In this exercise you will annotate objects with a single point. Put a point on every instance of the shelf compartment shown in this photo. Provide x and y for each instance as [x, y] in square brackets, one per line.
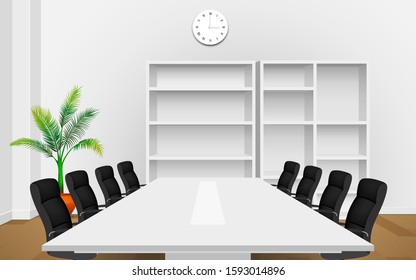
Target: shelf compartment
[200, 169]
[342, 157]
[288, 105]
[287, 122]
[288, 75]
[189, 140]
[357, 169]
[291, 89]
[156, 89]
[203, 106]
[286, 142]
[338, 123]
[345, 141]
[219, 123]
[200, 75]
[199, 157]
[341, 92]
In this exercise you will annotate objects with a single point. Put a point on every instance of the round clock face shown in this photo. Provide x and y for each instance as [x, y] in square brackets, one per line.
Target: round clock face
[210, 27]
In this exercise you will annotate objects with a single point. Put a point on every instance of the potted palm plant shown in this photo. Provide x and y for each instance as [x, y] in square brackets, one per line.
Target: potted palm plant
[62, 136]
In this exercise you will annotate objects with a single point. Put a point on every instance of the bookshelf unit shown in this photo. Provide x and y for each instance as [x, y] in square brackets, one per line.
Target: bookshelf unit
[316, 114]
[343, 120]
[286, 94]
[200, 120]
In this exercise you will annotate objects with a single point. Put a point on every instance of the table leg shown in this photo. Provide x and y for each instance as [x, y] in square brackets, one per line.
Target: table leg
[207, 256]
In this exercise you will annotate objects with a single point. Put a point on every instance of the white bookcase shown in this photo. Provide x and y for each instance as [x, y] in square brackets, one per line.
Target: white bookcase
[313, 113]
[200, 120]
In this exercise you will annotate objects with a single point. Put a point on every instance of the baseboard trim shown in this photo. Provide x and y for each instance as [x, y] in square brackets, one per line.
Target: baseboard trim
[398, 210]
[24, 214]
[386, 210]
[6, 217]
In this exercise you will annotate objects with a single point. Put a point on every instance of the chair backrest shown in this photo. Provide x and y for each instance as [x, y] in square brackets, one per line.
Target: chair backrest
[308, 184]
[50, 206]
[79, 186]
[333, 197]
[366, 206]
[108, 184]
[288, 176]
[128, 176]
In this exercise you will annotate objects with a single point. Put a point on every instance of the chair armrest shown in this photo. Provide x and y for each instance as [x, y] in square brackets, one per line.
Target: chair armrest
[130, 191]
[89, 211]
[314, 206]
[101, 206]
[55, 233]
[286, 191]
[360, 231]
[302, 198]
[113, 198]
[327, 211]
[274, 185]
[142, 185]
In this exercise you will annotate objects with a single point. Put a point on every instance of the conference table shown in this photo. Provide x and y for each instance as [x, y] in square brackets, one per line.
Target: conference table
[208, 218]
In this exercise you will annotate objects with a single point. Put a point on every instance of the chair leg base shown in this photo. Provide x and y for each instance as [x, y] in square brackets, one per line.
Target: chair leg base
[344, 255]
[71, 255]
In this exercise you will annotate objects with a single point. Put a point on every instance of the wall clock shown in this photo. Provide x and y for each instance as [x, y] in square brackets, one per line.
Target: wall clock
[210, 27]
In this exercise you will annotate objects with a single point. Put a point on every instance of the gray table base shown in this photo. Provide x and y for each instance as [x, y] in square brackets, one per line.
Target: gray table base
[207, 256]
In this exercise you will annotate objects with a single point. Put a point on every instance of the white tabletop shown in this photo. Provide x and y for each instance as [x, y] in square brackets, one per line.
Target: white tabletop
[189, 215]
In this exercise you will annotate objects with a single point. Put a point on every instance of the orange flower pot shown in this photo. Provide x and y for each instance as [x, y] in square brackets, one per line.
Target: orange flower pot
[69, 202]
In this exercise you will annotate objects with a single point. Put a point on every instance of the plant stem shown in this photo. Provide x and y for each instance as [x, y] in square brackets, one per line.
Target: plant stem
[60, 174]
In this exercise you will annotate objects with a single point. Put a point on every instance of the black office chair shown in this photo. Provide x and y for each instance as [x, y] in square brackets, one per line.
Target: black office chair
[129, 177]
[82, 194]
[362, 214]
[308, 184]
[288, 177]
[108, 185]
[54, 214]
[333, 197]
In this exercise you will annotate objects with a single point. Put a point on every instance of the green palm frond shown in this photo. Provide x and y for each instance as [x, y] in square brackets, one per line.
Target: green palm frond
[90, 144]
[62, 136]
[48, 126]
[34, 145]
[70, 105]
[76, 127]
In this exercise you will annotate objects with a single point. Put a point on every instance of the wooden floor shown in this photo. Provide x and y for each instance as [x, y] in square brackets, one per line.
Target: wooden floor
[394, 238]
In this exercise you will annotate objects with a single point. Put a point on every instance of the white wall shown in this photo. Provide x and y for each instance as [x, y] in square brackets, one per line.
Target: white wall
[6, 110]
[26, 93]
[103, 45]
